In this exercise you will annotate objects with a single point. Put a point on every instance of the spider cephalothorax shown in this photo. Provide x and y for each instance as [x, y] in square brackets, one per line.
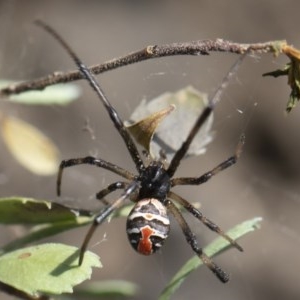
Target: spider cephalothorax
[148, 223]
[154, 182]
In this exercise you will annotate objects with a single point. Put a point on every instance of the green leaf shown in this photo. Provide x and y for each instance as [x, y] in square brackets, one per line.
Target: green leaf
[216, 247]
[52, 218]
[27, 211]
[291, 70]
[55, 218]
[22, 210]
[44, 231]
[60, 94]
[109, 288]
[46, 268]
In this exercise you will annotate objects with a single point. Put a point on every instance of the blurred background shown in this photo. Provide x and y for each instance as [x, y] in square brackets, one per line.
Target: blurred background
[265, 182]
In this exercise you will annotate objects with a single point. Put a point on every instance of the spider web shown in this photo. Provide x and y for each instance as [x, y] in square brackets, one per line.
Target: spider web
[264, 182]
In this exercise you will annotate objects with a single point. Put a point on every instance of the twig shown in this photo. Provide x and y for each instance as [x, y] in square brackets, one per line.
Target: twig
[202, 47]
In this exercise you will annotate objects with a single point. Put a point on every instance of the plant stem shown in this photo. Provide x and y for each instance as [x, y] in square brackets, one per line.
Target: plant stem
[201, 47]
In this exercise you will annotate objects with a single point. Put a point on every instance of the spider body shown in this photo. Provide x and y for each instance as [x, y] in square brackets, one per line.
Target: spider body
[148, 226]
[148, 223]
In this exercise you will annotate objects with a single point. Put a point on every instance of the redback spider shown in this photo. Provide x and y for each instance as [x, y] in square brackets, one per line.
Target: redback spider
[148, 223]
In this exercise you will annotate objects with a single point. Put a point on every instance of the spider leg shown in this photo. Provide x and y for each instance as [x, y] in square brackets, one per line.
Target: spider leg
[109, 189]
[114, 116]
[181, 152]
[89, 160]
[208, 175]
[197, 214]
[191, 239]
[104, 213]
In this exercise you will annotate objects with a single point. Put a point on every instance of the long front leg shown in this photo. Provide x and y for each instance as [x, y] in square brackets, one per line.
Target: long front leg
[207, 111]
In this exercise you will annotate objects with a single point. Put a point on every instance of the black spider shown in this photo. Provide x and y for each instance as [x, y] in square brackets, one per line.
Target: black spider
[148, 223]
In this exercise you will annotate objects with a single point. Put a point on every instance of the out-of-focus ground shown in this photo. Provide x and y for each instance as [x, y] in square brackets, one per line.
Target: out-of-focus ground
[265, 182]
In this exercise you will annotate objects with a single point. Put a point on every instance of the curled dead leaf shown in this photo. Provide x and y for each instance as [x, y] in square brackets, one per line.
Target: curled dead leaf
[169, 131]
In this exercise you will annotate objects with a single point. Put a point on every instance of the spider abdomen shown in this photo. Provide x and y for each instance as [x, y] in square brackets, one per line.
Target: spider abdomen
[148, 226]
